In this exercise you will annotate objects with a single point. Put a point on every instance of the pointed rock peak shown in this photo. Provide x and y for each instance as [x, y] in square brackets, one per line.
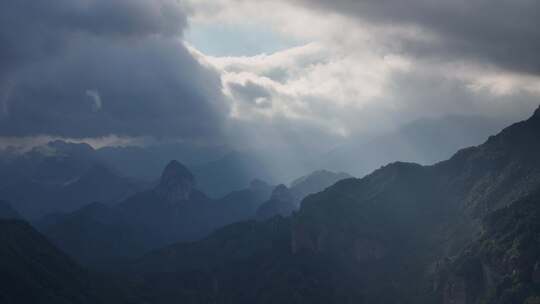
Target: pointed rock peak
[176, 182]
[282, 193]
[175, 171]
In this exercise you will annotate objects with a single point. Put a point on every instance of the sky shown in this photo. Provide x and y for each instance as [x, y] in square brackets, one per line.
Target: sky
[286, 76]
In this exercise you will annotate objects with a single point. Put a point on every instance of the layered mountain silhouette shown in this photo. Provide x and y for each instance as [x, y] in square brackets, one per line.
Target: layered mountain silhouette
[35, 199]
[462, 231]
[405, 233]
[174, 210]
[285, 200]
[229, 173]
[57, 162]
[424, 141]
[61, 177]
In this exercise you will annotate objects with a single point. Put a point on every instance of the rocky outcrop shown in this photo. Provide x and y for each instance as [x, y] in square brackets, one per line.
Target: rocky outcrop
[176, 183]
[502, 265]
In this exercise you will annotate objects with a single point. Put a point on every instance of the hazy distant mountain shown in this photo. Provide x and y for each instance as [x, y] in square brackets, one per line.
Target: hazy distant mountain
[282, 202]
[390, 236]
[229, 173]
[55, 163]
[285, 200]
[315, 182]
[218, 170]
[174, 210]
[35, 198]
[147, 162]
[60, 177]
[424, 141]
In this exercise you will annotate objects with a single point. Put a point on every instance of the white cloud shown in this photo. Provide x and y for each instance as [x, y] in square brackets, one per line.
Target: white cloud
[350, 79]
[314, 83]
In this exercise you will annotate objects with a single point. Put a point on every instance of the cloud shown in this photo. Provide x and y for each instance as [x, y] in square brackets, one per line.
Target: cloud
[129, 53]
[503, 33]
[253, 94]
[120, 69]
[352, 80]
[361, 57]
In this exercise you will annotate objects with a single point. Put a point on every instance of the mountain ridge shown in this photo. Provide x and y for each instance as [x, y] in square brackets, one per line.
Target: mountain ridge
[397, 222]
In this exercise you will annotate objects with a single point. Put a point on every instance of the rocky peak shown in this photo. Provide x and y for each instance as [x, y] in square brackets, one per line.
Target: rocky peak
[176, 183]
[282, 193]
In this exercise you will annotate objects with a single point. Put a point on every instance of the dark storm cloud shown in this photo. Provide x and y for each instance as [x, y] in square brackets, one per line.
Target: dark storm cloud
[501, 32]
[82, 68]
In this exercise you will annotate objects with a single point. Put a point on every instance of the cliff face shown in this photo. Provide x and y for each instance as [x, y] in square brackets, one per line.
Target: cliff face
[176, 183]
[498, 172]
[464, 231]
[407, 214]
[502, 266]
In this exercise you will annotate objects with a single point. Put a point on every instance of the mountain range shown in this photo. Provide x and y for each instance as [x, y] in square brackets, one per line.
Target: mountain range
[387, 237]
[172, 211]
[461, 231]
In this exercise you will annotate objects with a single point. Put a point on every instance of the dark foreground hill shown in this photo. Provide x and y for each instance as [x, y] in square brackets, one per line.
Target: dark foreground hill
[34, 271]
[503, 265]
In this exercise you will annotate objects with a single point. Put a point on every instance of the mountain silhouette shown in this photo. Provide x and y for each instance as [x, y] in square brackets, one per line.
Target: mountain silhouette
[388, 236]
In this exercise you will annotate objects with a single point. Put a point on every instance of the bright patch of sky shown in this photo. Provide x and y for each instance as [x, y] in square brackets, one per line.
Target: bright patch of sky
[221, 39]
